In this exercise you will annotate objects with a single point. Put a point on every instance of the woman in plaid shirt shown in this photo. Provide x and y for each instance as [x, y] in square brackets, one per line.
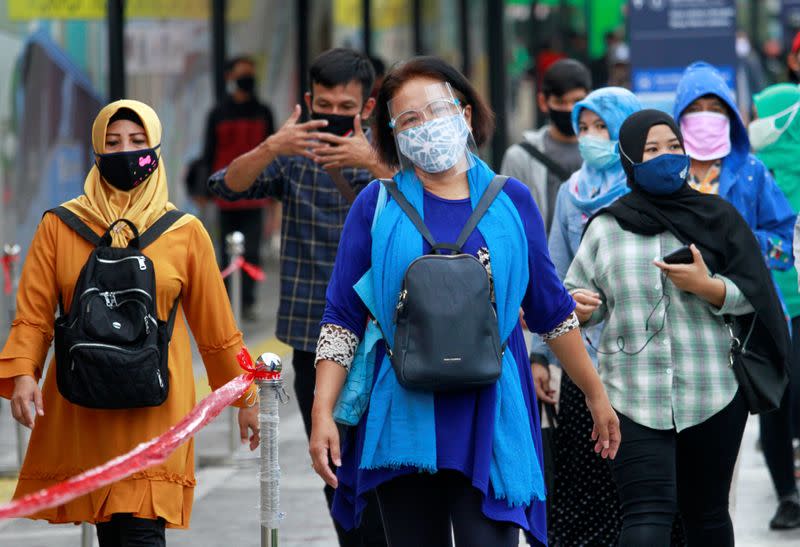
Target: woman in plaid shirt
[664, 352]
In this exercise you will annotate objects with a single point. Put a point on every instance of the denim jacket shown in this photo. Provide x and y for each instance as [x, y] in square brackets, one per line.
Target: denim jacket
[564, 240]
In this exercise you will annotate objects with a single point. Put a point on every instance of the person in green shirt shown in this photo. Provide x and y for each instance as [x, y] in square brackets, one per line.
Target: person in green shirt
[775, 137]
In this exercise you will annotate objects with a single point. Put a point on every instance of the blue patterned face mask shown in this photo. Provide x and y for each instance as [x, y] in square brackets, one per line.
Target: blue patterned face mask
[436, 145]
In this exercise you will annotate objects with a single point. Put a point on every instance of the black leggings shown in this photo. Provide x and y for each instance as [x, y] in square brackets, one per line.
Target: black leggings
[660, 471]
[418, 510]
[125, 530]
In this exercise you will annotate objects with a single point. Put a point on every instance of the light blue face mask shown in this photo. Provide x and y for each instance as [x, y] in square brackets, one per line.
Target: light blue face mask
[436, 145]
[598, 153]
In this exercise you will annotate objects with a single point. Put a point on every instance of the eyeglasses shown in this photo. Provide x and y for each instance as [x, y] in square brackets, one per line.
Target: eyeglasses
[437, 108]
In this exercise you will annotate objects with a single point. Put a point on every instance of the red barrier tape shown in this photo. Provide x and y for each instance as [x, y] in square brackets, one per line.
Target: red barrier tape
[7, 261]
[145, 455]
[255, 273]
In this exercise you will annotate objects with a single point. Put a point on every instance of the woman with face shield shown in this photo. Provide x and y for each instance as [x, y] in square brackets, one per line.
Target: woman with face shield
[585, 507]
[665, 353]
[470, 457]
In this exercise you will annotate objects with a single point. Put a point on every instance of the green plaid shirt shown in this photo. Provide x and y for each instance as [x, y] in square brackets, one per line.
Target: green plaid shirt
[681, 377]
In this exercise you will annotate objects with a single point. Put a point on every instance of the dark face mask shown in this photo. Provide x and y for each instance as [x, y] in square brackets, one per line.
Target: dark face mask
[337, 124]
[562, 119]
[246, 83]
[127, 170]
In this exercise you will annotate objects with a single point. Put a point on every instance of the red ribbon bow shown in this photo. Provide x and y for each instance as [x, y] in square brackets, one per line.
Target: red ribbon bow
[255, 372]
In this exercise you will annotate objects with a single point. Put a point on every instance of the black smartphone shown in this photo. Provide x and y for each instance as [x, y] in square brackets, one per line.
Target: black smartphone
[681, 256]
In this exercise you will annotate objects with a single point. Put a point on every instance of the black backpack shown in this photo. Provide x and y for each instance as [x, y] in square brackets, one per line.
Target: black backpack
[111, 348]
[446, 335]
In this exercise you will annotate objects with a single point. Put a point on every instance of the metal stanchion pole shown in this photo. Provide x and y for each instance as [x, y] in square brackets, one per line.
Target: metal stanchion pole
[235, 247]
[271, 394]
[87, 535]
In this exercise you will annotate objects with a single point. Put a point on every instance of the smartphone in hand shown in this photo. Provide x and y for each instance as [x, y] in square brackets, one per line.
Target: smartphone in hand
[680, 256]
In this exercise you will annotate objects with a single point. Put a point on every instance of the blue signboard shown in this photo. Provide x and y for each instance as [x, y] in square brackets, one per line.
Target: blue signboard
[668, 35]
[790, 21]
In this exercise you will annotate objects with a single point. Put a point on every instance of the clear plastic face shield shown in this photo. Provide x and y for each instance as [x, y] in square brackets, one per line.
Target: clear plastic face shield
[430, 130]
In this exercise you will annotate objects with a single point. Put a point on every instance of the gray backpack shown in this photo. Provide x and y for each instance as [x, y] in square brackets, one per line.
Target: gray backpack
[446, 336]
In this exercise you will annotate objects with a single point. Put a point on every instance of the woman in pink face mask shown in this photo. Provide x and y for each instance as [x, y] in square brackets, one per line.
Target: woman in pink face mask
[706, 126]
[716, 140]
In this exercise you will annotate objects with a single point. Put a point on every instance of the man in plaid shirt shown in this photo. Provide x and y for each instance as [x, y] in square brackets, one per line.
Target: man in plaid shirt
[298, 165]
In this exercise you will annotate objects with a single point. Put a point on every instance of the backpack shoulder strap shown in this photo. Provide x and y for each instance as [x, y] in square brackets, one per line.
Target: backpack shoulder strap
[488, 197]
[172, 314]
[159, 227]
[545, 160]
[408, 209]
[76, 224]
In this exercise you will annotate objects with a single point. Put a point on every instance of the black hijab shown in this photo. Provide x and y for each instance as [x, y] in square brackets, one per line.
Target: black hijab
[726, 242]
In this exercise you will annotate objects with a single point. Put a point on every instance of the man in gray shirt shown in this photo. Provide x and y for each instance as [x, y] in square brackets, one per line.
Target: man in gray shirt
[565, 83]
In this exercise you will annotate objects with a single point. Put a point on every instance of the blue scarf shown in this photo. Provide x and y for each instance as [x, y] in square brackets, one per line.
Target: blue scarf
[401, 428]
[592, 189]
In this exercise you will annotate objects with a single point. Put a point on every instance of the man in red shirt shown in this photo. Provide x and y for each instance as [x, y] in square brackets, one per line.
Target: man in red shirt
[234, 127]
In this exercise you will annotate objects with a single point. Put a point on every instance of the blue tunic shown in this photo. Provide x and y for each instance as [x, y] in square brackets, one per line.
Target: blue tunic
[464, 420]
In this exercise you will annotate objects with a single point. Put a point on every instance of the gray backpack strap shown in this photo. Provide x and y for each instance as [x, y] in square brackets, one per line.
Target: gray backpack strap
[409, 210]
[488, 197]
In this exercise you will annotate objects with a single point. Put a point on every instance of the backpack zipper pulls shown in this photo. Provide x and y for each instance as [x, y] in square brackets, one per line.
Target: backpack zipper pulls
[142, 263]
[401, 300]
[111, 299]
[401, 303]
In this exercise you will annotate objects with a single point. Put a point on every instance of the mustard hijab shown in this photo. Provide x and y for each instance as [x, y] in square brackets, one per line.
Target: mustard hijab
[102, 204]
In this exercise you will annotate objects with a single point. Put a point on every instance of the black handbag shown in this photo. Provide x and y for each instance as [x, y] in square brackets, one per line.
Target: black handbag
[762, 380]
[446, 335]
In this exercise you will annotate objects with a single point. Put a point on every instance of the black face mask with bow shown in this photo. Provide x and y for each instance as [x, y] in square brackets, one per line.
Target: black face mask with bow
[127, 170]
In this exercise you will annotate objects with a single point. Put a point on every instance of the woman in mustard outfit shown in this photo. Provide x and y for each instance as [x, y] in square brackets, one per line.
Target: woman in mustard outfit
[68, 439]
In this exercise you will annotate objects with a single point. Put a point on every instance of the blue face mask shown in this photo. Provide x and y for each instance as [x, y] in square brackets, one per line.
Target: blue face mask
[598, 153]
[662, 175]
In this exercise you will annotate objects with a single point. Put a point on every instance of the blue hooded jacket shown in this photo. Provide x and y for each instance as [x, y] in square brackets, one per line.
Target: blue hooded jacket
[744, 180]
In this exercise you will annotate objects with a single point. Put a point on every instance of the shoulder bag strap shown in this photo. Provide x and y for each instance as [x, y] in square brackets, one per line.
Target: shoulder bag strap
[408, 209]
[76, 224]
[488, 197]
[545, 160]
[347, 191]
[159, 227]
